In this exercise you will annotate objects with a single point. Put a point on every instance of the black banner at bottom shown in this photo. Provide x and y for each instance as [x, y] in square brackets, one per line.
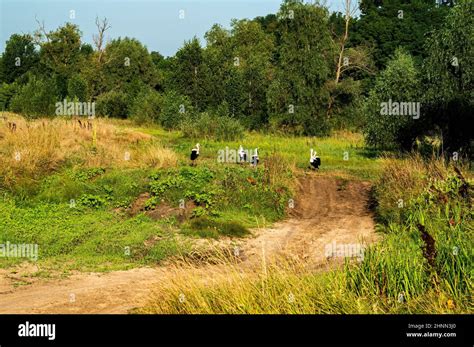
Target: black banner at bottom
[448, 330]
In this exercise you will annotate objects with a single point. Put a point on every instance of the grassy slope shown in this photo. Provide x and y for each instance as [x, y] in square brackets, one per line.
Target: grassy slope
[95, 235]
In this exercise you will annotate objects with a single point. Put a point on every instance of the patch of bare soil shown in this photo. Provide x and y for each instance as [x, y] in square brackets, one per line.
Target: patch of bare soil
[163, 210]
[327, 212]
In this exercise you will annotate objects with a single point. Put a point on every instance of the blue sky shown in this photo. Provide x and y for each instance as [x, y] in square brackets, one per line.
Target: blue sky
[156, 23]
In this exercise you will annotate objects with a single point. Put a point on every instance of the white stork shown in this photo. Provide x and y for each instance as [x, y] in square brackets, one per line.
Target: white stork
[254, 161]
[195, 153]
[314, 160]
[242, 155]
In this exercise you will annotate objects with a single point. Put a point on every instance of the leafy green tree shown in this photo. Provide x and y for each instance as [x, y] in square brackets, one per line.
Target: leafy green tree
[449, 78]
[20, 56]
[296, 97]
[398, 83]
[190, 73]
[389, 24]
[252, 66]
[218, 58]
[127, 62]
[61, 50]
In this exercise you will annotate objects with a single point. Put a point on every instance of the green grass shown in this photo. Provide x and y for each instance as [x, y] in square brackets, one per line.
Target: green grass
[344, 152]
[84, 238]
[204, 227]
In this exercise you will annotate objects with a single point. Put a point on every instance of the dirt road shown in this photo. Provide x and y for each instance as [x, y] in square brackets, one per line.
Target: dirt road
[327, 211]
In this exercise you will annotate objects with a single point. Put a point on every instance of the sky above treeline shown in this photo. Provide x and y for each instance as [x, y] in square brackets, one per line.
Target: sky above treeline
[158, 24]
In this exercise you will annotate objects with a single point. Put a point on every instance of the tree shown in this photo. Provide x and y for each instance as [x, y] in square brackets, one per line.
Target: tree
[449, 78]
[389, 24]
[102, 26]
[252, 67]
[296, 97]
[218, 58]
[60, 49]
[348, 59]
[128, 66]
[20, 56]
[398, 83]
[190, 73]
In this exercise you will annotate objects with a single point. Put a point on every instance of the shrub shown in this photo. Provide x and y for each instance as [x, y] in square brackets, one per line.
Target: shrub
[301, 122]
[175, 108]
[77, 88]
[211, 126]
[36, 98]
[7, 91]
[113, 104]
[146, 107]
[92, 201]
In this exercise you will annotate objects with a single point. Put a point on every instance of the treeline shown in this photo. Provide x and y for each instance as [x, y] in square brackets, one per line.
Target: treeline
[302, 71]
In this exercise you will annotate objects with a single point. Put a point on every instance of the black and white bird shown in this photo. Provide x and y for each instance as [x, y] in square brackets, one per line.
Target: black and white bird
[195, 153]
[254, 161]
[242, 155]
[314, 160]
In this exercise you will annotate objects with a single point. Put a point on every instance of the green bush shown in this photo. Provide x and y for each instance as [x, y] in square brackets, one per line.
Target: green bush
[301, 122]
[77, 88]
[92, 201]
[113, 104]
[36, 98]
[175, 108]
[211, 126]
[146, 107]
[7, 91]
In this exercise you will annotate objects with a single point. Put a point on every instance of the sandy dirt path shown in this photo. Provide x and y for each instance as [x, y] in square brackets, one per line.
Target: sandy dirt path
[326, 211]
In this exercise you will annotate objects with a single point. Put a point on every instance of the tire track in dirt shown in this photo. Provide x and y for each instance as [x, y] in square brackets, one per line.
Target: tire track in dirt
[326, 210]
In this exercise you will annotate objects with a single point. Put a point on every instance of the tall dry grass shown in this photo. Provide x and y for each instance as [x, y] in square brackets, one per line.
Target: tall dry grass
[404, 179]
[42, 146]
[283, 287]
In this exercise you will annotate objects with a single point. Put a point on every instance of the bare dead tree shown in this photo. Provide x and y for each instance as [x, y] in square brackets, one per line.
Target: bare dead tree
[102, 26]
[350, 9]
[40, 33]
